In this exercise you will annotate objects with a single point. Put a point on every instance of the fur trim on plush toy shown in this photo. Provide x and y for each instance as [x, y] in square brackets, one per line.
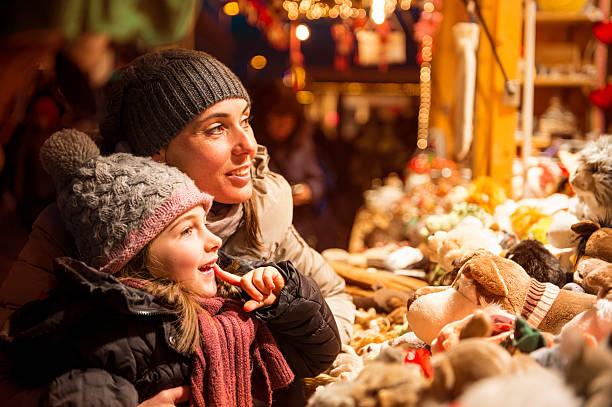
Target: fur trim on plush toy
[485, 278]
[538, 262]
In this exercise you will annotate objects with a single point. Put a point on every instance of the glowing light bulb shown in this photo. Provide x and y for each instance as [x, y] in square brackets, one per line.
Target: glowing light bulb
[302, 32]
[377, 11]
[259, 62]
[231, 8]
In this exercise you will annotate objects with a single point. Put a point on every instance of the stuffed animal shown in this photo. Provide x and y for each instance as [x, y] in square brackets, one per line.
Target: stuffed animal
[595, 324]
[384, 300]
[594, 251]
[386, 382]
[538, 262]
[589, 369]
[468, 362]
[446, 248]
[534, 387]
[591, 180]
[485, 278]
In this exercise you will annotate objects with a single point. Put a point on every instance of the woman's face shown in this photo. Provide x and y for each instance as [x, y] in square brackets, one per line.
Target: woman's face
[186, 251]
[216, 150]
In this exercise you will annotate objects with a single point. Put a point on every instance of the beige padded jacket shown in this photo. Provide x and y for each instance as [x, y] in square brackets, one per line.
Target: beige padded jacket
[31, 274]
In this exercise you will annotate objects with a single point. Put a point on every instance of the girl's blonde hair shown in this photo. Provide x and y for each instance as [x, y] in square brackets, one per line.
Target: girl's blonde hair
[171, 294]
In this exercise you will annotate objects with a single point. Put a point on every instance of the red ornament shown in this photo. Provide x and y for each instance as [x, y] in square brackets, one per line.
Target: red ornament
[421, 357]
[603, 31]
[602, 98]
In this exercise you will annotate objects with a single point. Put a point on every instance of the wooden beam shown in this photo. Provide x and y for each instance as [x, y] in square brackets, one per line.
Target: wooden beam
[494, 146]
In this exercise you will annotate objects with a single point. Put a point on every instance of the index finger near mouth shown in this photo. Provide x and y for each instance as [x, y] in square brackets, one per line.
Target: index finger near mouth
[227, 277]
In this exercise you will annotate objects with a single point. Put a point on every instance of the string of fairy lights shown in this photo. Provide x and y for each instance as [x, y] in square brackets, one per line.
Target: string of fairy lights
[315, 9]
[425, 89]
[379, 10]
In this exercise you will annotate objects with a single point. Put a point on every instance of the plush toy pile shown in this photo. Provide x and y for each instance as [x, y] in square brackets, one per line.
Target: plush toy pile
[515, 306]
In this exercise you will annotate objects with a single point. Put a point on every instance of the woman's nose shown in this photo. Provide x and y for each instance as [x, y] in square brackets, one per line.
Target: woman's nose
[245, 142]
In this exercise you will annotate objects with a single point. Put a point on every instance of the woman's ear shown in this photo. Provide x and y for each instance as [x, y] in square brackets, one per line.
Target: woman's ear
[159, 156]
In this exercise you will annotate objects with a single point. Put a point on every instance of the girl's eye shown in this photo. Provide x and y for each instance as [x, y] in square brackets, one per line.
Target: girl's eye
[187, 231]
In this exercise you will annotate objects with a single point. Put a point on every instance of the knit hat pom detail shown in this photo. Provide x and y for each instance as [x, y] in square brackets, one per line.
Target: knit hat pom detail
[65, 152]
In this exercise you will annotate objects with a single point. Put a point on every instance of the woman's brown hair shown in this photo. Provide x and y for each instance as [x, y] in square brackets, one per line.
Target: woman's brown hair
[251, 220]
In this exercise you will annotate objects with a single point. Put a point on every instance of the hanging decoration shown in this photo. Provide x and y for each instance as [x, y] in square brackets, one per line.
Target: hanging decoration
[424, 31]
[379, 44]
[345, 44]
[268, 20]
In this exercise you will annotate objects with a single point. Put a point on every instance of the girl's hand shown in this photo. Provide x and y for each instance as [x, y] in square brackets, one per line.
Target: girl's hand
[262, 284]
[169, 397]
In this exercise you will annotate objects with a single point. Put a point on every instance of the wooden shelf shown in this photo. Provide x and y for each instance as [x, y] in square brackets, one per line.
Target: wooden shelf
[565, 81]
[568, 17]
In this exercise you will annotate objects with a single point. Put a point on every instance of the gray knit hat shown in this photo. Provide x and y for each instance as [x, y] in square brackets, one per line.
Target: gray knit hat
[113, 206]
[156, 95]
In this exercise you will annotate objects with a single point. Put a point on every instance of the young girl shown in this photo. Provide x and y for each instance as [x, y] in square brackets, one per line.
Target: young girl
[146, 317]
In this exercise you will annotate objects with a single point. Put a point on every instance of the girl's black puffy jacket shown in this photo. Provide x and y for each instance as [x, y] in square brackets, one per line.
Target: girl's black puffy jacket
[95, 341]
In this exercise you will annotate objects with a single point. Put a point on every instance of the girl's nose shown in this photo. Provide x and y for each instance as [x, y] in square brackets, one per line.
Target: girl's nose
[212, 242]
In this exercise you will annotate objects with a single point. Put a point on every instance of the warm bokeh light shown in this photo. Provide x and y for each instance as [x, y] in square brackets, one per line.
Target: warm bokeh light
[259, 62]
[231, 8]
[304, 97]
[377, 11]
[405, 4]
[302, 32]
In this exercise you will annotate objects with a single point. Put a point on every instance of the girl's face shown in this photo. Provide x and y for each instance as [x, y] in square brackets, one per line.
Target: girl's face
[216, 150]
[186, 251]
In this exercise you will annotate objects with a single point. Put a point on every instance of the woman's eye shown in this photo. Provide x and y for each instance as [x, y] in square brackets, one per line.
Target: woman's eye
[246, 122]
[215, 130]
[187, 231]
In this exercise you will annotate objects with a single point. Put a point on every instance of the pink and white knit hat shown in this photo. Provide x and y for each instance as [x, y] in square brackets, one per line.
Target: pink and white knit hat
[113, 206]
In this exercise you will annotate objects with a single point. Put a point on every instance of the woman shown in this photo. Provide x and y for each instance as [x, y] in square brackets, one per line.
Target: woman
[187, 109]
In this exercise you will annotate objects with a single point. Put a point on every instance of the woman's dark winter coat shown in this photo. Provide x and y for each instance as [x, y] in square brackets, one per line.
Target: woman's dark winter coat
[95, 341]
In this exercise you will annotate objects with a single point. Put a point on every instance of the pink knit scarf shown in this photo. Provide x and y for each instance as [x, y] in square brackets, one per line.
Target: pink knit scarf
[238, 356]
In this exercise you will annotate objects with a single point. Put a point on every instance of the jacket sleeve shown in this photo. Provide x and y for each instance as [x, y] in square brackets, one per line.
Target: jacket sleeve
[90, 387]
[302, 324]
[31, 274]
[310, 263]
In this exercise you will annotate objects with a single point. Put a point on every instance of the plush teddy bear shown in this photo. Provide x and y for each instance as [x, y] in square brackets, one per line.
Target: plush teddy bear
[594, 251]
[485, 278]
[468, 362]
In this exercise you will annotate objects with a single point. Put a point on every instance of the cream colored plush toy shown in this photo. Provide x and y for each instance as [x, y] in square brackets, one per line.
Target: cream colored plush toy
[446, 248]
[485, 278]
